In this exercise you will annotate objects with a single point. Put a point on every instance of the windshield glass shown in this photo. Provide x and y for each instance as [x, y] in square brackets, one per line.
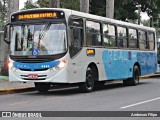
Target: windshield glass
[42, 39]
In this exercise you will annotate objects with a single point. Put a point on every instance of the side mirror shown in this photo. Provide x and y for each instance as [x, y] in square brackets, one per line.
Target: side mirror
[7, 33]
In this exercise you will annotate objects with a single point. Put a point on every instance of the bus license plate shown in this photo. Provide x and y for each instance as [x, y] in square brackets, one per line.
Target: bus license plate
[33, 76]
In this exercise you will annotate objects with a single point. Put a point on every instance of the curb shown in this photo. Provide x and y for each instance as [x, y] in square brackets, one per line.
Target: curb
[16, 90]
[6, 78]
[150, 76]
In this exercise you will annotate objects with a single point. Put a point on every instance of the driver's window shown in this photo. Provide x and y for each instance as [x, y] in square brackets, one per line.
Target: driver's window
[76, 35]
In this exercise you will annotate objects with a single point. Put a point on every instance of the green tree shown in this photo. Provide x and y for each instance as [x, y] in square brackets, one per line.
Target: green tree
[71, 4]
[3, 13]
[98, 8]
[29, 5]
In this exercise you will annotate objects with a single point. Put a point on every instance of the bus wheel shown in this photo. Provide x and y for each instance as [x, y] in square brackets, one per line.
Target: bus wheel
[88, 85]
[136, 74]
[42, 87]
[135, 79]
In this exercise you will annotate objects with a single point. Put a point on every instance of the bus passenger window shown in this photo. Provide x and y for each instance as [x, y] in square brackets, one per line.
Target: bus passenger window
[76, 35]
[133, 38]
[151, 40]
[142, 40]
[109, 35]
[122, 37]
[93, 33]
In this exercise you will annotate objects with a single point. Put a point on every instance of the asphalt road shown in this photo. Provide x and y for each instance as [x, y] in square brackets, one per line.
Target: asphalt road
[112, 97]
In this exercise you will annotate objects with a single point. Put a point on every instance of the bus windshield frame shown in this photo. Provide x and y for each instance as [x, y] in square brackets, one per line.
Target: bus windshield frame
[38, 38]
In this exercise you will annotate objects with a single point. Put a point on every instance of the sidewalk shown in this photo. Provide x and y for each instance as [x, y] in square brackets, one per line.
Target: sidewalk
[5, 85]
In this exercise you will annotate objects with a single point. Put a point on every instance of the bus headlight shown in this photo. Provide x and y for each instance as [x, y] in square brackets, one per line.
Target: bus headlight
[10, 64]
[61, 65]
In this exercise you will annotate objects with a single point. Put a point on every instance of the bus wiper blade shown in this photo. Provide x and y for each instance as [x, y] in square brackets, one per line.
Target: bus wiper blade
[43, 33]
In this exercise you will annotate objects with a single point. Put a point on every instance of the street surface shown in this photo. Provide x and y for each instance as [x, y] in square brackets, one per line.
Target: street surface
[112, 97]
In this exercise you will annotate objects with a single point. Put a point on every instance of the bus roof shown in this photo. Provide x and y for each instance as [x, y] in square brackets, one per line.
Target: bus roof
[94, 17]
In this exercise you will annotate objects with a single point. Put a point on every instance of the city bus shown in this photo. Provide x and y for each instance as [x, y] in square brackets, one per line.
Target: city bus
[158, 53]
[50, 46]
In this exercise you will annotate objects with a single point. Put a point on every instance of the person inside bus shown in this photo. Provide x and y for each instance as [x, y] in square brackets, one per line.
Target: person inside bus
[107, 39]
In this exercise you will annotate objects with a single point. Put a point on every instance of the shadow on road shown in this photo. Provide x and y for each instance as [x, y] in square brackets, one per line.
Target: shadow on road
[69, 91]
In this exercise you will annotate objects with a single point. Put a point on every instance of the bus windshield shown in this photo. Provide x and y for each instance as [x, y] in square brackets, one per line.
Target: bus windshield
[38, 39]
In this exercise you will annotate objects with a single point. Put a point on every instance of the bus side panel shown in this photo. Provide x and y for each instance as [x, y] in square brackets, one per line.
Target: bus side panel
[118, 63]
[147, 61]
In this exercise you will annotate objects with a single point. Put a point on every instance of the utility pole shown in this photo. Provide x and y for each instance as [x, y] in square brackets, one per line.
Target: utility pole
[84, 6]
[110, 8]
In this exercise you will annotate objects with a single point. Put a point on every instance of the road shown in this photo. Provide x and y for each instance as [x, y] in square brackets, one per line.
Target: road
[112, 97]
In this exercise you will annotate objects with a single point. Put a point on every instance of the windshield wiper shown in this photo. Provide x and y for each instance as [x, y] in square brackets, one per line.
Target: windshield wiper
[43, 33]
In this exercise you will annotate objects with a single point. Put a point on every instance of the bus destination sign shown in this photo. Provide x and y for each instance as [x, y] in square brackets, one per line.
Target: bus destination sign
[37, 15]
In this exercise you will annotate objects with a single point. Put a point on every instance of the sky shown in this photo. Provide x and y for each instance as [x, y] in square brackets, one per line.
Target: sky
[21, 5]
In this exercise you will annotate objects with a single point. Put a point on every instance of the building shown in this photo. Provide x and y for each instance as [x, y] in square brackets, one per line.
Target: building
[2, 49]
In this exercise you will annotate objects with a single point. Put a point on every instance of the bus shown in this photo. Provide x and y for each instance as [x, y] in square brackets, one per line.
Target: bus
[158, 53]
[50, 46]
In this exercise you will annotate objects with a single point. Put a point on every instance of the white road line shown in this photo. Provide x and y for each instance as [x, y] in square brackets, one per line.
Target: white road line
[18, 103]
[140, 103]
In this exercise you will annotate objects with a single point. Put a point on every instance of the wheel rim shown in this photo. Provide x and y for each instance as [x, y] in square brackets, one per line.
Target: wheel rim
[89, 80]
[136, 78]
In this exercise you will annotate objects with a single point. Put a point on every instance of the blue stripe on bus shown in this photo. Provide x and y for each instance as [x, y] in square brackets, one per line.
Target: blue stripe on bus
[37, 66]
[119, 64]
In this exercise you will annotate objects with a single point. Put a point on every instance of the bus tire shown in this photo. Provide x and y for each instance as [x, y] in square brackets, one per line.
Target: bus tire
[42, 87]
[88, 85]
[136, 74]
[135, 79]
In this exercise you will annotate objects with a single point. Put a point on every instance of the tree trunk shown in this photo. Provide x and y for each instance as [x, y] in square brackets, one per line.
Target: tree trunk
[55, 4]
[13, 6]
[110, 8]
[84, 6]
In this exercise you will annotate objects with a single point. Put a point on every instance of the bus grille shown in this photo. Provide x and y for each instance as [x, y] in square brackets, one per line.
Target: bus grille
[34, 70]
[40, 77]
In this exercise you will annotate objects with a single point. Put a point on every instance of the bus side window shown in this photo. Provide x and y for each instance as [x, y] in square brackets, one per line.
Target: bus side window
[151, 40]
[122, 37]
[109, 35]
[76, 36]
[133, 38]
[142, 40]
[93, 33]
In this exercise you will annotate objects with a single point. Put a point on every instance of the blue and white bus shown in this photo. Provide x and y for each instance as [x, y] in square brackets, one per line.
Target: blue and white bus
[50, 46]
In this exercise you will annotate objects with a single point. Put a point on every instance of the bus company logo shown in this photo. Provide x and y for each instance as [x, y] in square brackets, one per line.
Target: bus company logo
[6, 114]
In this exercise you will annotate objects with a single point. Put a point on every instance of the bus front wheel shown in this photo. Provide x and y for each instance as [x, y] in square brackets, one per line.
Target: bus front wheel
[88, 85]
[135, 79]
[42, 87]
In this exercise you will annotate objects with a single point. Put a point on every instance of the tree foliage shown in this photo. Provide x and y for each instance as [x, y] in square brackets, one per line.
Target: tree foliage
[124, 9]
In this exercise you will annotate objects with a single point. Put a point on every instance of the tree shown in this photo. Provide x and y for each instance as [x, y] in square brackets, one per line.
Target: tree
[55, 4]
[29, 5]
[71, 4]
[110, 8]
[84, 6]
[3, 13]
[125, 10]
[98, 8]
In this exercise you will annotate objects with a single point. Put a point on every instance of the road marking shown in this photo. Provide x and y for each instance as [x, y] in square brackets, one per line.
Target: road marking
[140, 103]
[18, 103]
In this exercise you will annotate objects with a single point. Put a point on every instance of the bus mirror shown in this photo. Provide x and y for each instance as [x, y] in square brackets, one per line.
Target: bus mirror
[6, 33]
